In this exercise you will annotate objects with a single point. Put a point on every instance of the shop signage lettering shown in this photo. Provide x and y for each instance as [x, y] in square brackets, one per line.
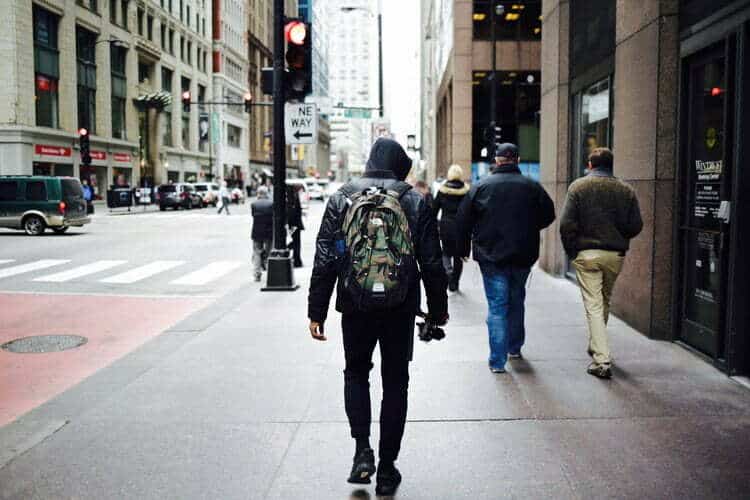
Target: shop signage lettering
[45, 150]
[98, 155]
[708, 188]
[122, 157]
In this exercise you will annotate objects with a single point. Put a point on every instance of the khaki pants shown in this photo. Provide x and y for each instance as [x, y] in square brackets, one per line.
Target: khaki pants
[597, 271]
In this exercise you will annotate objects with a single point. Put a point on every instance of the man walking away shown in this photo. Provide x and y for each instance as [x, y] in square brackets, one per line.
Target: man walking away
[374, 233]
[600, 217]
[262, 233]
[447, 201]
[224, 196]
[504, 213]
[294, 221]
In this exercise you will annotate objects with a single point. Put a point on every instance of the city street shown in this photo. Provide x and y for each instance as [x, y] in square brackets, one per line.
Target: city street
[195, 384]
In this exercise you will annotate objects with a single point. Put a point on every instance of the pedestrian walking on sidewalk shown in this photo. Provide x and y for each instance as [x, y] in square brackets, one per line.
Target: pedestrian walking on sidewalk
[503, 214]
[224, 197]
[262, 233]
[294, 221]
[600, 217]
[447, 201]
[422, 188]
[375, 231]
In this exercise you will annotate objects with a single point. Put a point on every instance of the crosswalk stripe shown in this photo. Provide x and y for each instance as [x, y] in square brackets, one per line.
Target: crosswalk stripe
[143, 272]
[31, 266]
[80, 271]
[208, 273]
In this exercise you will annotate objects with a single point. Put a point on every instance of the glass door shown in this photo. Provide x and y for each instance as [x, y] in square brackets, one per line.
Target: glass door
[705, 228]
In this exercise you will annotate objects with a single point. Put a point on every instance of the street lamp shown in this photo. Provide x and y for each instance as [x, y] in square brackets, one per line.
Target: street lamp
[380, 49]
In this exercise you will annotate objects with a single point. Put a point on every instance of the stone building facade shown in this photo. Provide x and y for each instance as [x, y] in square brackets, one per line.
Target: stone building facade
[85, 64]
[664, 84]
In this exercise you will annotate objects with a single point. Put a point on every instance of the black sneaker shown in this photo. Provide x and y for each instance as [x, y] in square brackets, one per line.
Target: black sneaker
[515, 355]
[600, 371]
[388, 480]
[363, 467]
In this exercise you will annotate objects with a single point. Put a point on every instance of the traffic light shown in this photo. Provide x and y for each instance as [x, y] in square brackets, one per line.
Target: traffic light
[84, 146]
[298, 79]
[248, 100]
[186, 101]
[493, 135]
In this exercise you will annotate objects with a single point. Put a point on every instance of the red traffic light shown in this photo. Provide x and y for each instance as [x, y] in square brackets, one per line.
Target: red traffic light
[295, 32]
[716, 91]
[83, 132]
[186, 95]
[248, 100]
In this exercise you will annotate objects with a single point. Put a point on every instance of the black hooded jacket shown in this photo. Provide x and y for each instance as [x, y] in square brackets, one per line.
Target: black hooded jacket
[387, 166]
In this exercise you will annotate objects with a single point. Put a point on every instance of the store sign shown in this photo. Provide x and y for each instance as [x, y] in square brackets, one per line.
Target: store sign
[98, 155]
[708, 189]
[122, 157]
[45, 150]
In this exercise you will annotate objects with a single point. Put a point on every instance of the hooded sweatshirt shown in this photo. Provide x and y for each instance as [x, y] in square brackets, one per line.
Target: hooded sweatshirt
[387, 154]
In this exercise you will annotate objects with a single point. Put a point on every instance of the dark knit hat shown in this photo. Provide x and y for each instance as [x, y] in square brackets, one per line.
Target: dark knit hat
[506, 150]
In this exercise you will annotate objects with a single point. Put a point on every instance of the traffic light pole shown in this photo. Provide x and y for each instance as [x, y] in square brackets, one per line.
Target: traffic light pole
[280, 270]
[493, 90]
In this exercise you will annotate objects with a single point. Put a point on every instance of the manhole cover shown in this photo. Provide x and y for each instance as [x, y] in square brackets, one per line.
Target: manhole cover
[44, 343]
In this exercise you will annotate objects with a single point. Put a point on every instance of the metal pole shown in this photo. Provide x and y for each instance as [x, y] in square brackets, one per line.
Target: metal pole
[380, 61]
[279, 145]
[280, 271]
[493, 90]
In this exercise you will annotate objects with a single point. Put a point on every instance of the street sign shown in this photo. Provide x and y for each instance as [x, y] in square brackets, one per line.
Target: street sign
[363, 114]
[301, 123]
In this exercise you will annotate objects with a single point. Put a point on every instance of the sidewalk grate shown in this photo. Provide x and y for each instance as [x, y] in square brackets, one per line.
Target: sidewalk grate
[44, 343]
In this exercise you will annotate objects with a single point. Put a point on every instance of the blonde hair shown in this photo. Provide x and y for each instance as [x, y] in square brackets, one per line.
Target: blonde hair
[455, 173]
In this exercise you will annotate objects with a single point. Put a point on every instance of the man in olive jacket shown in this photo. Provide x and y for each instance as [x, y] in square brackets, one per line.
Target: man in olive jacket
[600, 217]
[393, 329]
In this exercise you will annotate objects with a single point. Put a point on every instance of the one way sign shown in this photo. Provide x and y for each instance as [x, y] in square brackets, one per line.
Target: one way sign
[301, 123]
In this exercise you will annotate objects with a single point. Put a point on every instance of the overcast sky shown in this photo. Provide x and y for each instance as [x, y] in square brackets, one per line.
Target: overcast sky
[401, 31]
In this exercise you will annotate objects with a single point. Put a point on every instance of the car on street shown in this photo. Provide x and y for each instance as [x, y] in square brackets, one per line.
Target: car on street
[317, 188]
[35, 203]
[178, 195]
[208, 191]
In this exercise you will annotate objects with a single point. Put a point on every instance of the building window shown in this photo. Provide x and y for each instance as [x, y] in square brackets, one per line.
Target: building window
[150, 27]
[140, 21]
[182, 49]
[89, 4]
[592, 126]
[517, 20]
[190, 53]
[203, 26]
[234, 135]
[187, 15]
[86, 62]
[144, 72]
[518, 102]
[118, 57]
[171, 42]
[166, 86]
[46, 68]
[163, 36]
[180, 11]
[124, 8]
[113, 11]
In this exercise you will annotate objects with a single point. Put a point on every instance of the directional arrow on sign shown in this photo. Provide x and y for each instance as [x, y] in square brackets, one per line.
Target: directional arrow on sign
[301, 123]
[298, 135]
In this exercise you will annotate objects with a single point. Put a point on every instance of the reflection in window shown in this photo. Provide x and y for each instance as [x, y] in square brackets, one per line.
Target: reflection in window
[519, 20]
[46, 68]
[593, 118]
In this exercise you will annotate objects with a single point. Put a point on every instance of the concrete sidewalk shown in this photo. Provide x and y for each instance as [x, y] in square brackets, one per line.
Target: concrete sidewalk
[238, 402]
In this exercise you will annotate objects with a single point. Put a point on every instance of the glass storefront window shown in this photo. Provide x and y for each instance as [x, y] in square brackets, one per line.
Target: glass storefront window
[86, 59]
[46, 68]
[593, 123]
[119, 91]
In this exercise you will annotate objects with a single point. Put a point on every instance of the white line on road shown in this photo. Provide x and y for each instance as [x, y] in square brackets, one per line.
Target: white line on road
[80, 271]
[143, 272]
[6, 261]
[31, 266]
[208, 273]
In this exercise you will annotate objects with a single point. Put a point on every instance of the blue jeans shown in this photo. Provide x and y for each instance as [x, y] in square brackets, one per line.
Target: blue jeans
[505, 288]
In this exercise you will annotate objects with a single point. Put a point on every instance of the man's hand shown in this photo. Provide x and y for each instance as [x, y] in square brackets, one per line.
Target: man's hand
[316, 330]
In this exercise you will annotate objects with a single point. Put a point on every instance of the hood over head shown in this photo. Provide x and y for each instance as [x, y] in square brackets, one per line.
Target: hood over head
[387, 154]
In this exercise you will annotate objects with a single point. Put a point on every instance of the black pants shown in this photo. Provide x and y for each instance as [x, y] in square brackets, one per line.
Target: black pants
[296, 247]
[395, 334]
[454, 266]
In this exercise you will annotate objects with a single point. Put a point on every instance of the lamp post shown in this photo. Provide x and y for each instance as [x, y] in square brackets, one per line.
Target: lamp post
[380, 50]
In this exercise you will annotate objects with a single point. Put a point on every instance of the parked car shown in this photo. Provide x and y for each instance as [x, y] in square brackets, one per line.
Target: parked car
[178, 195]
[317, 188]
[35, 203]
[238, 196]
[209, 192]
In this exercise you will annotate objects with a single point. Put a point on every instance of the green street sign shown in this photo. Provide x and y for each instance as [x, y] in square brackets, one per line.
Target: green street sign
[357, 113]
[215, 128]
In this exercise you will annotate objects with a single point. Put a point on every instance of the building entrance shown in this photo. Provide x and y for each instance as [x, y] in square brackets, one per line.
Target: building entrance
[706, 221]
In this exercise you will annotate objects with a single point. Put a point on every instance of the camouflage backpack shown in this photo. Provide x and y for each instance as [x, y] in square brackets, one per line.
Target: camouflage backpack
[379, 265]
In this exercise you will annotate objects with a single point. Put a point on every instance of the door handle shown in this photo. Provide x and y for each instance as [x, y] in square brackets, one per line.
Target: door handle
[725, 211]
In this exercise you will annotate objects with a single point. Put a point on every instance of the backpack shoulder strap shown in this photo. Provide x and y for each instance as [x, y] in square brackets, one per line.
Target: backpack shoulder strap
[401, 188]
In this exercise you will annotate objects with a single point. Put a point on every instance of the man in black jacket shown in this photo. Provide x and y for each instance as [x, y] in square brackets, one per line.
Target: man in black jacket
[393, 329]
[262, 232]
[504, 213]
